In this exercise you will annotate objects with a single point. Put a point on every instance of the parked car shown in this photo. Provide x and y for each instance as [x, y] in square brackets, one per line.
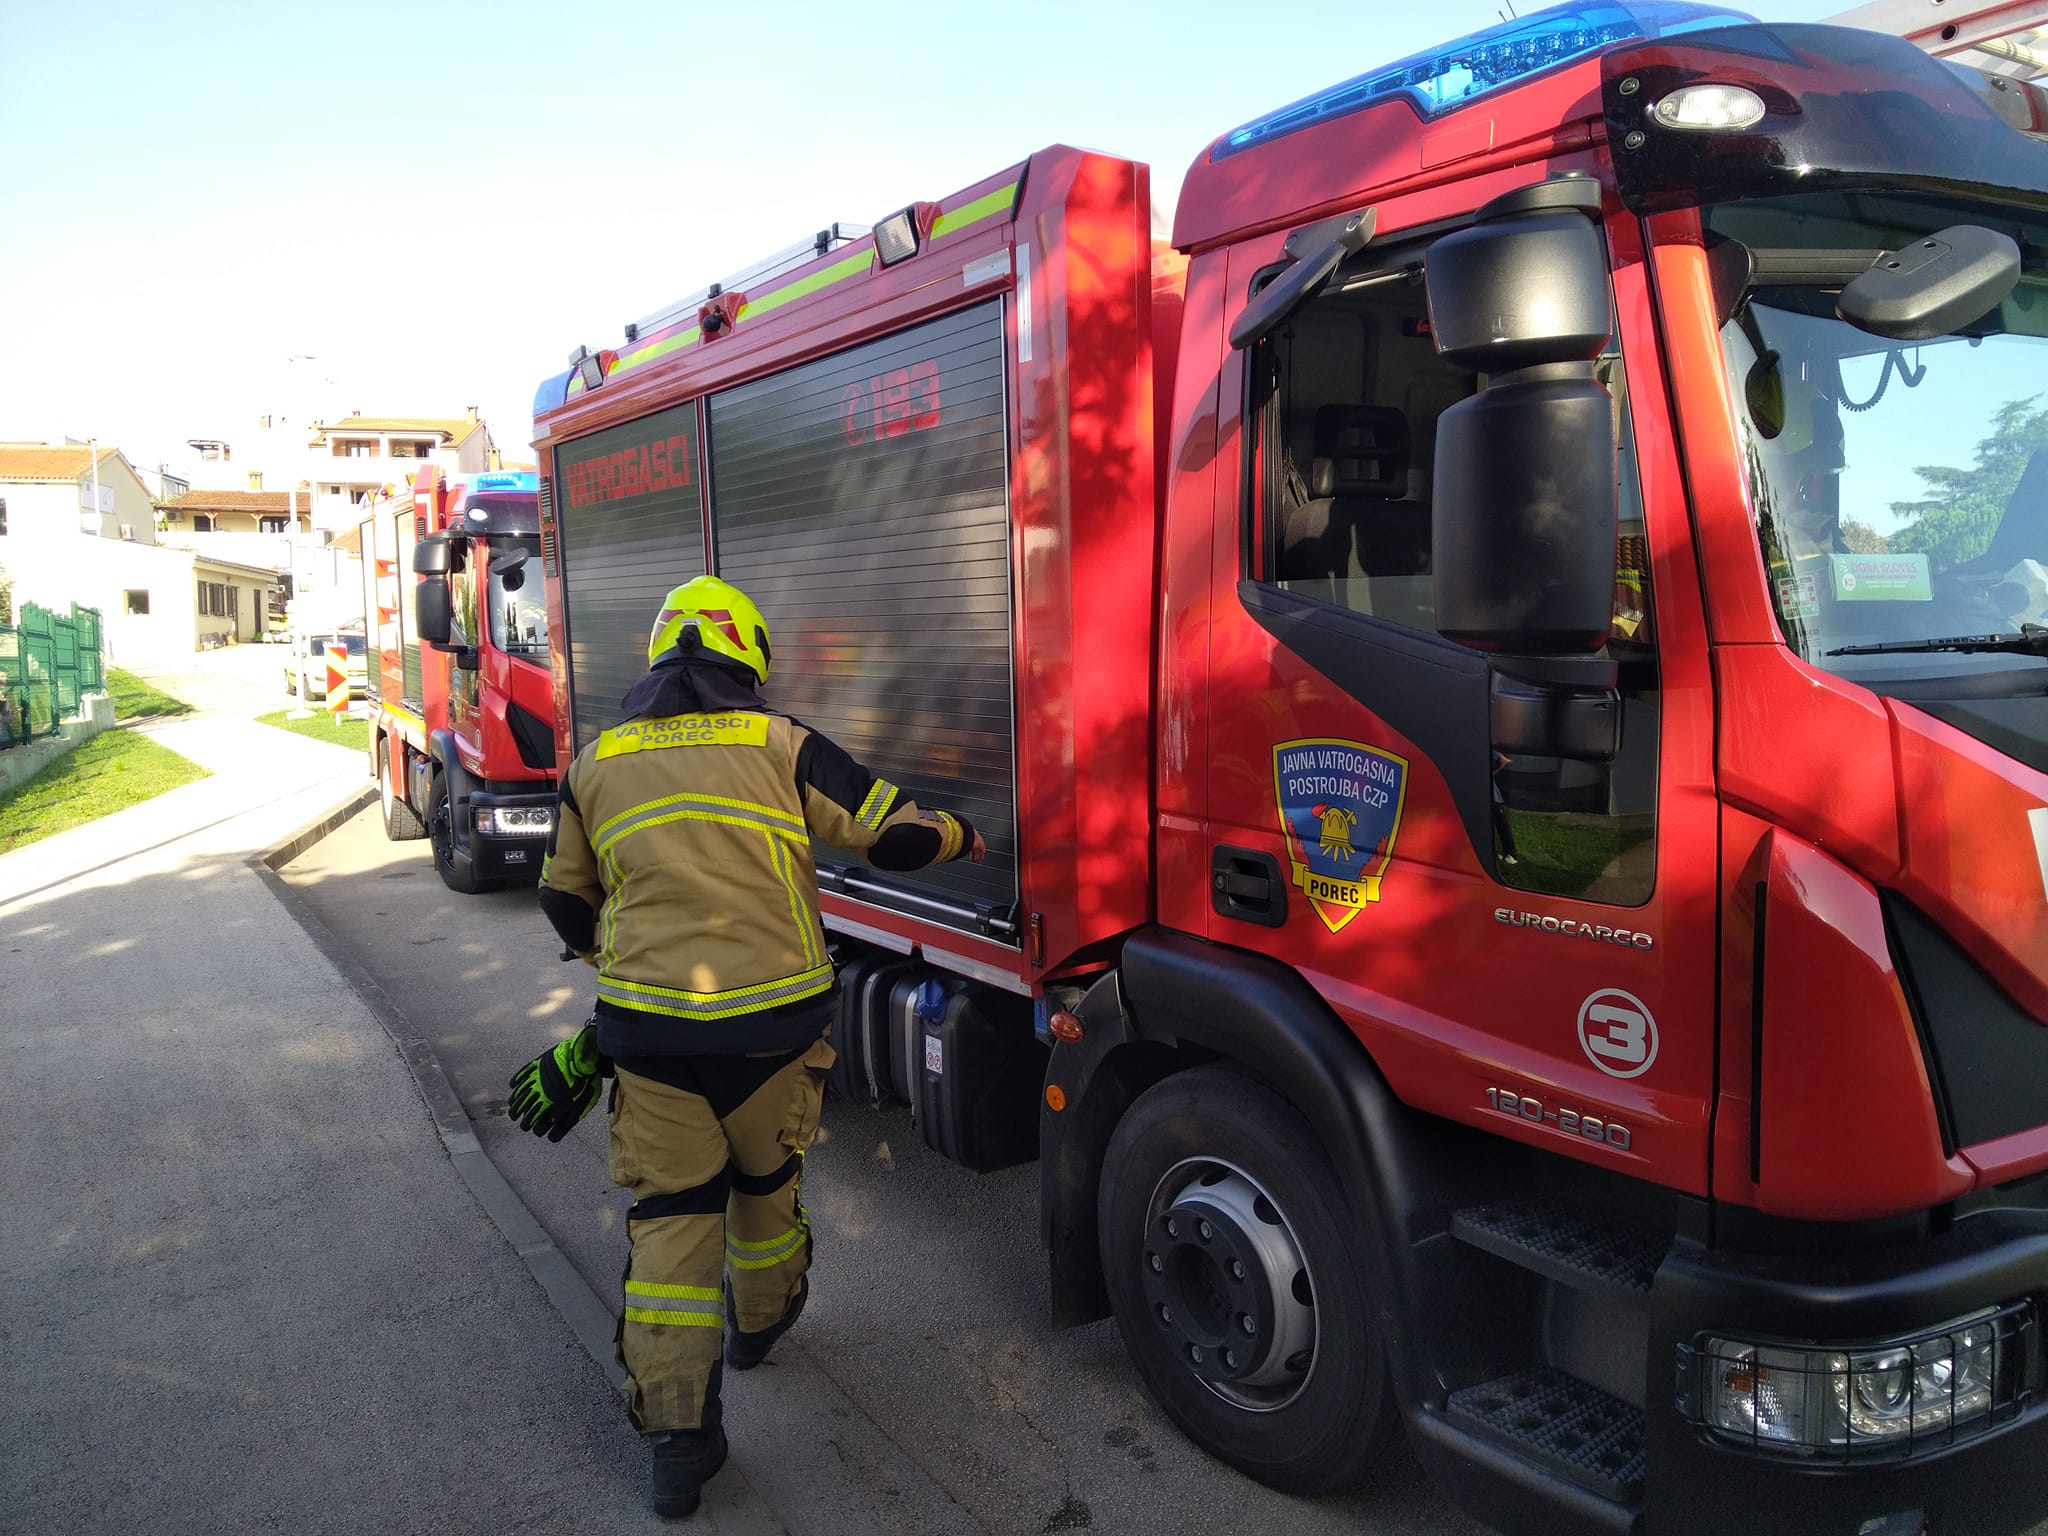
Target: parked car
[305, 669]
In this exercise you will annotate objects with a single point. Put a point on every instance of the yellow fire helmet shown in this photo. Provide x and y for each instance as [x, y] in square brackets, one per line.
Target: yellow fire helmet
[715, 615]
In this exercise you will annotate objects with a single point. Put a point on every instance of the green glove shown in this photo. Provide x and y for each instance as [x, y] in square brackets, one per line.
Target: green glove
[558, 1087]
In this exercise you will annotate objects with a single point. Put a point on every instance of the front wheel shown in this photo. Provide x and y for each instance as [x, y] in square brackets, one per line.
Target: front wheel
[1237, 1277]
[460, 879]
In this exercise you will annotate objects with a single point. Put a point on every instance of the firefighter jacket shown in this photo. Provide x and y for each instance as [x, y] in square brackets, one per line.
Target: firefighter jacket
[681, 862]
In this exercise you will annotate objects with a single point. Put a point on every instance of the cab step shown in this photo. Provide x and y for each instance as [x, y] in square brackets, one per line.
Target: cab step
[1566, 1243]
[1564, 1425]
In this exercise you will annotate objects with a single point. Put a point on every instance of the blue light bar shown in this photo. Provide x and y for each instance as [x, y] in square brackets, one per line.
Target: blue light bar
[1443, 78]
[506, 480]
[553, 393]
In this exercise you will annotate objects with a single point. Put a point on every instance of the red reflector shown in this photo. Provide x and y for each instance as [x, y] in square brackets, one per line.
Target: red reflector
[1064, 1026]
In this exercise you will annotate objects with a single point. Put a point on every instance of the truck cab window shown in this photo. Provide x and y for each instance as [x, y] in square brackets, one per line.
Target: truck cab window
[462, 583]
[1350, 391]
[519, 613]
[1346, 397]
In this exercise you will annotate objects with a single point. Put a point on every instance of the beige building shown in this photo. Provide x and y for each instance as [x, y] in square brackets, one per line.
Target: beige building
[341, 464]
[266, 530]
[361, 457]
[52, 493]
[269, 513]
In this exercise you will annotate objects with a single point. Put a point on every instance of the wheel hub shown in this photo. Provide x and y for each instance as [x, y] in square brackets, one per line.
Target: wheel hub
[1225, 1280]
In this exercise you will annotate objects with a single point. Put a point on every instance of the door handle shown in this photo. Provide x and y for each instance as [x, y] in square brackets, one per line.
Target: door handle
[1245, 883]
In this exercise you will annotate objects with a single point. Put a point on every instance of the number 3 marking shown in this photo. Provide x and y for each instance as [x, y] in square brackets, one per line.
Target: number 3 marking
[1617, 1033]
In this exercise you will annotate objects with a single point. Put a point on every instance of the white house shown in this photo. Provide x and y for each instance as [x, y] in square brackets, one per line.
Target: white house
[79, 526]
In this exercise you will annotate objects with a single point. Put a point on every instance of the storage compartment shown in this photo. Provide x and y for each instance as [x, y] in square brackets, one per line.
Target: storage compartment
[861, 500]
[980, 1070]
[632, 527]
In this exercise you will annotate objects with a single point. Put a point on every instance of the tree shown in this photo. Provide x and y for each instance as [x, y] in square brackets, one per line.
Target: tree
[6, 599]
[1957, 521]
[1862, 539]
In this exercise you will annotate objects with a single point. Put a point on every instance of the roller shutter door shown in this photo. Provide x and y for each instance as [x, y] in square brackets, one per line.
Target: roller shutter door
[861, 501]
[630, 527]
[405, 526]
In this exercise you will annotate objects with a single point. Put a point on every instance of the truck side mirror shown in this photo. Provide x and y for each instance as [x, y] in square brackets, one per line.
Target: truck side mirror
[434, 611]
[431, 556]
[1525, 506]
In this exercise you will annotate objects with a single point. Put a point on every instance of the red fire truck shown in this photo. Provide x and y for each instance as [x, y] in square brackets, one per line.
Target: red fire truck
[461, 698]
[1517, 897]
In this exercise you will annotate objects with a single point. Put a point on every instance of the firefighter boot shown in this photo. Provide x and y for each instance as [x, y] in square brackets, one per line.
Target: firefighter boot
[744, 1351]
[686, 1459]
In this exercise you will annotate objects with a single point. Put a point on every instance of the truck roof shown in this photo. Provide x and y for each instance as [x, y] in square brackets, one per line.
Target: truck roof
[1407, 122]
[785, 279]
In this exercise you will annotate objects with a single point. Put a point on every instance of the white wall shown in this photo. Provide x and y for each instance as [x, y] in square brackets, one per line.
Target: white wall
[100, 573]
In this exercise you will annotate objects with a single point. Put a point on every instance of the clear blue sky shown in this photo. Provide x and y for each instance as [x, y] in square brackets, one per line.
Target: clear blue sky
[437, 201]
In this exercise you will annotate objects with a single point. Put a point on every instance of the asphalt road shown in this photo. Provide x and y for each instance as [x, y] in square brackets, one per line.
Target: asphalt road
[925, 1390]
[242, 1289]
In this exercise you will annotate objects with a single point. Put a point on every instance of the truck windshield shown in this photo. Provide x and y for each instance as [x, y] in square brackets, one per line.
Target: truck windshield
[519, 618]
[1899, 489]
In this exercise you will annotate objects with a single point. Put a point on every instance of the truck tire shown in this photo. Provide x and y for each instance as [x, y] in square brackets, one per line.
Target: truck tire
[401, 822]
[1237, 1278]
[441, 831]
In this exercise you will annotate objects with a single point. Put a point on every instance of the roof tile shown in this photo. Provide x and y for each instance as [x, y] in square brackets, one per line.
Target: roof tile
[41, 461]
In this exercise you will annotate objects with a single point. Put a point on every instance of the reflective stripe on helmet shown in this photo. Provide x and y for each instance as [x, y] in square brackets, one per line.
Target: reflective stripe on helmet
[722, 619]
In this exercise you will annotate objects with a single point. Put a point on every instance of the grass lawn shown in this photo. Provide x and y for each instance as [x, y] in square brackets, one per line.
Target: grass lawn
[343, 732]
[136, 700]
[113, 771]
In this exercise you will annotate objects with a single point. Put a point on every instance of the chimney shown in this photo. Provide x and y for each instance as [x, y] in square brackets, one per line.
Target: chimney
[255, 479]
[472, 413]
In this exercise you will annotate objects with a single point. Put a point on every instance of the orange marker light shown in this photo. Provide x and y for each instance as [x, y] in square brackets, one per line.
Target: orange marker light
[1055, 1097]
[1064, 1026]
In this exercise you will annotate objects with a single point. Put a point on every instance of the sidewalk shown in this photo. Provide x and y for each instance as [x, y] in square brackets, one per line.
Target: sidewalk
[241, 1286]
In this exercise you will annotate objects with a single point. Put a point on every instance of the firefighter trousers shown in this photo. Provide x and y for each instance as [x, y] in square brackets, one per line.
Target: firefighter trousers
[713, 1151]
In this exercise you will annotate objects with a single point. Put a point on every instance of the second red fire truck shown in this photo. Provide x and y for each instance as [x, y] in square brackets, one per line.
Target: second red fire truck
[460, 690]
[1517, 897]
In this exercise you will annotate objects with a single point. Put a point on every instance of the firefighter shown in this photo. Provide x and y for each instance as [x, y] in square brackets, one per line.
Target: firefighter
[680, 867]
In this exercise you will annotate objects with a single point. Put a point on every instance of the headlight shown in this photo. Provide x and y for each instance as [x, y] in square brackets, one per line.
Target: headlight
[1913, 1393]
[516, 821]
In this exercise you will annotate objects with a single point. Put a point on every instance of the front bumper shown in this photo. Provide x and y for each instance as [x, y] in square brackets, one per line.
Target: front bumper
[497, 856]
[1985, 1483]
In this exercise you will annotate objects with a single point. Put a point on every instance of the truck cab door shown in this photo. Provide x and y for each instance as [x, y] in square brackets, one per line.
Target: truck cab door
[1525, 944]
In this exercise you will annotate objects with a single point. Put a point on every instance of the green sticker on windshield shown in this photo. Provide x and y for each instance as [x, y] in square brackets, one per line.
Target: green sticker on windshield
[1881, 578]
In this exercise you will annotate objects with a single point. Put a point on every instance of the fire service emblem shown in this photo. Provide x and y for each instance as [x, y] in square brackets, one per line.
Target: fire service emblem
[1340, 812]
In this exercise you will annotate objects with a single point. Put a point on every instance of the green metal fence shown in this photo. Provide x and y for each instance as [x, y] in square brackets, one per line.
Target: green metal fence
[48, 663]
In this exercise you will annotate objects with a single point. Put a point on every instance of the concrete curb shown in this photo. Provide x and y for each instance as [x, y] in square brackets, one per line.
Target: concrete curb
[586, 1314]
[283, 853]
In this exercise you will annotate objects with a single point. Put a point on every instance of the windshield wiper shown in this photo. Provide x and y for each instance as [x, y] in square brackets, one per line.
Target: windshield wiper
[2032, 640]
